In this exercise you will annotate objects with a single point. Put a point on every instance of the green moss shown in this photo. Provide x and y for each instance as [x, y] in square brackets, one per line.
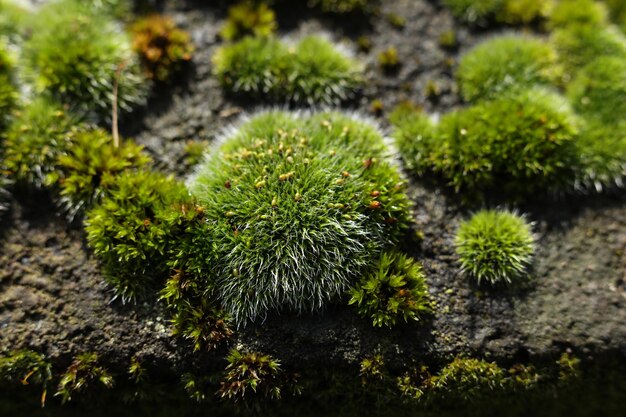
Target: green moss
[8, 89]
[163, 47]
[311, 71]
[249, 18]
[389, 59]
[251, 371]
[76, 54]
[194, 152]
[524, 12]
[89, 167]
[468, 379]
[504, 63]
[81, 374]
[26, 368]
[448, 40]
[495, 246]
[516, 144]
[474, 11]
[599, 89]
[343, 6]
[617, 9]
[568, 13]
[395, 289]
[578, 46]
[12, 20]
[395, 20]
[133, 227]
[298, 206]
[36, 137]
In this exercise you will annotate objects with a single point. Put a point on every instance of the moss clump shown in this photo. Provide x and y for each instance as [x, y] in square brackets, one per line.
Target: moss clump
[474, 11]
[495, 246]
[8, 90]
[599, 89]
[504, 63]
[513, 12]
[4, 195]
[297, 205]
[468, 378]
[251, 371]
[516, 144]
[578, 46]
[76, 54]
[90, 166]
[523, 12]
[396, 288]
[343, 6]
[578, 12]
[27, 368]
[389, 60]
[249, 17]
[132, 228]
[36, 137]
[12, 19]
[83, 372]
[311, 71]
[162, 46]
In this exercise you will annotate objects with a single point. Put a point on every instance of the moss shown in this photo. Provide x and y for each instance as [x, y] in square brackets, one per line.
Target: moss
[81, 374]
[448, 40]
[395, 20]
[524, 12]
[599, 90]
[477, 12]
[512, 12]
[504, 63]
[567, 13]
[133, 227]
[26, 367]
[296, 205]
[389, 59]
[76, 54]
[162, 46]
[8, 89]
[194, 152]
[395, 289]
[578, 46]
[311, 71]
[249, 17]
[617, 9]
[251, 371]
[343, 6]
[36, 137]
[89, 167]
[13, 17]
[495, 246]
[516, 144]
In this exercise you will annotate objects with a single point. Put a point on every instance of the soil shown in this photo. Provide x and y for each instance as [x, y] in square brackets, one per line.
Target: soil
[53, 298]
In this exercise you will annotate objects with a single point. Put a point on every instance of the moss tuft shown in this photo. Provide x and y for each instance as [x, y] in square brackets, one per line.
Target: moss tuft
[388, 59]
[343, 6]
[36, 137]
[13, 17]
[81, 374]
[568, 13]
[161, 45]
[516, 144]
[76, 53]
[504, 63]
[296, 206]
[477, 12]
[249, 17]
[251, 371]
[495, 246]
[396, 288]
[27, 368]
[311, 71]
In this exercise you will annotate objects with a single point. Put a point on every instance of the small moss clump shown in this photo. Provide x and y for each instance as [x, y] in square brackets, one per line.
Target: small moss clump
[310, 71]
[599, 89]
[396, 288]
[578, 12]
[495, 246]
[26, 368]
[523, 12]
[251, 371]
[162, 46]
[469, 379]
[476, 12]
[504, 63]
[82, 373]
[343, 6]
[296, 205]
[8, 90]
[90, 166]
[132, 228]
[389, 60]
[513, 12]
[249, 17]
[517, 144]
[76, 54]
[36, 137]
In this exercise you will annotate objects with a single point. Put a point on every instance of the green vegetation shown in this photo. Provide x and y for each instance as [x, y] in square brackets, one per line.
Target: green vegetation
[396, 288]
[162, 47]
[297, 205]
[311, 71]
[517, 144]
[599, 90]
[251, 371]
[504, 63]
[523, 12]
[482, 12]
[8, 90]
[474, 11]
[343, 6]
[76, 54]
[495, 246]
[389, 60]
[249, 17]
[133, 227]
[12, 19]
[567, 13]
[90, 166]
[27, 368]
[34, 141]
[81, 374]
